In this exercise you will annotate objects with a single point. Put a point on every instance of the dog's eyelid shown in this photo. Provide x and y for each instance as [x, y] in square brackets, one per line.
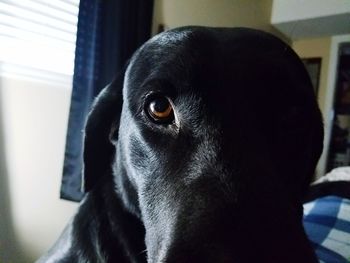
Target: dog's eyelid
[158, 93]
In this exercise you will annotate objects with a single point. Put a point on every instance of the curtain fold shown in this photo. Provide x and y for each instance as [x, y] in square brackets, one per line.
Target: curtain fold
[109, 31]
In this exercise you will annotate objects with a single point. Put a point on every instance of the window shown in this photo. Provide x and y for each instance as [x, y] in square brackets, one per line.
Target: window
[37, 39]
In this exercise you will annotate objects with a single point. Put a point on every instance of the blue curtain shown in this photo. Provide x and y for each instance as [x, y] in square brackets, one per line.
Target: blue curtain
[109, 31]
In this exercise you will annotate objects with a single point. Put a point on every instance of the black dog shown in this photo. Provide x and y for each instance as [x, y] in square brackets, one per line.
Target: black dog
[203, 156]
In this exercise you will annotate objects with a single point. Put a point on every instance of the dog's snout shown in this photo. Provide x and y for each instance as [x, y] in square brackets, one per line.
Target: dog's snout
[202, 230]
[196, 242]
[209, 255]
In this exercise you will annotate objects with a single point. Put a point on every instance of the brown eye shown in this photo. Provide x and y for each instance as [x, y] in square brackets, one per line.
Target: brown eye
[160, 109]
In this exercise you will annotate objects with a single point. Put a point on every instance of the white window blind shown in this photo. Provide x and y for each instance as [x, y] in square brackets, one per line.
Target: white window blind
[37, 38]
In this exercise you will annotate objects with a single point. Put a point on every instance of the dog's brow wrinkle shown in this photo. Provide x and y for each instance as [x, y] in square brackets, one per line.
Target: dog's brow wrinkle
[210, 147]
[189, 113]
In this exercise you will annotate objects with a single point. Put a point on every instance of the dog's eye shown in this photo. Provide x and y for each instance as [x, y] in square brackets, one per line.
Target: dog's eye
[160, 109]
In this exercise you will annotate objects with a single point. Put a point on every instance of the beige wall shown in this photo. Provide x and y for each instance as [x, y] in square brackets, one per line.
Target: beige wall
[34, 118]
[222, 13]
[327, 48]
[311, 48]
[317, 47]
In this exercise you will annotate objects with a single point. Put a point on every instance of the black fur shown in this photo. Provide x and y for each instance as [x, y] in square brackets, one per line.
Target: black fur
[224, 184]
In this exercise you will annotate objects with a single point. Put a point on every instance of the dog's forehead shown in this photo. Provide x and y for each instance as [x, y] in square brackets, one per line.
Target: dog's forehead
[221, 41]
[162, 57]
[163, 49]
[170, 37]
[202, 58]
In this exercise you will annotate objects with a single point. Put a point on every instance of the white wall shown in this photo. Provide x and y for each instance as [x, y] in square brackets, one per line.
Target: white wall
[291, 10]
[299, 19]
[34, 120]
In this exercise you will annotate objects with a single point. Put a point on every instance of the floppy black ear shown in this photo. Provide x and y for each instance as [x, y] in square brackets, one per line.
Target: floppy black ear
[98, 149]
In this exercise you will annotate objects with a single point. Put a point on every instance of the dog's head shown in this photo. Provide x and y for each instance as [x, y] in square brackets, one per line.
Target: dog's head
[213, 136]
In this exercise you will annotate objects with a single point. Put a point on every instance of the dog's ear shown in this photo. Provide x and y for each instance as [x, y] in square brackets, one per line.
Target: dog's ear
[103, 118]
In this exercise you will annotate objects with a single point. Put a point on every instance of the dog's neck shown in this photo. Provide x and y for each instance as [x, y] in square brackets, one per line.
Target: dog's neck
[112, 230]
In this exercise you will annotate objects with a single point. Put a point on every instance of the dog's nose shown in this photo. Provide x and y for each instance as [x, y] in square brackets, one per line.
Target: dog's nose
[184, 255]
[209, 244]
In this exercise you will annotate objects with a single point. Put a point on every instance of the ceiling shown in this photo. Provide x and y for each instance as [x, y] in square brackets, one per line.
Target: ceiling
[299, 19]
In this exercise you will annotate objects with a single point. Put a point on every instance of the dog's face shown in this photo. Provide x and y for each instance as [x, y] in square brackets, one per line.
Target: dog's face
[217, 139]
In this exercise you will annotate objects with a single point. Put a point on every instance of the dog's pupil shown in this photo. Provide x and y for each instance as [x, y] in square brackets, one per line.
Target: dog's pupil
[160, 105]
[160, 109]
